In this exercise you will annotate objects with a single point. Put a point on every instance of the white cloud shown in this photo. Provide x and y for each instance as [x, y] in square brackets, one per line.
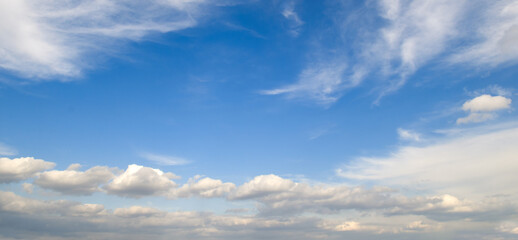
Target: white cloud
[17, 169]
[408, 135]
[11, 202]
[261, 186]
[483, 108]
[74, 182]
[54, 39]
[417, 32]
[138, 181]
[294, 20]
[320, 82]
[136, 211]
[202, 187]
[477, 163]
[163, 160]
[7, 150]
[497, 36]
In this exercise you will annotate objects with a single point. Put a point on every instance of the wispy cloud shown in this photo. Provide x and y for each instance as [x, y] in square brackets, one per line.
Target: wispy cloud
[412, 35]
[163, 159]
[291, 15]
[55, 39]
[408, 135]
[6, 150]
[497, 36]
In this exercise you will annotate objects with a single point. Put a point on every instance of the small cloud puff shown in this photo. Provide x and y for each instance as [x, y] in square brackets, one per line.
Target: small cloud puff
[138, 181]
[483, 108]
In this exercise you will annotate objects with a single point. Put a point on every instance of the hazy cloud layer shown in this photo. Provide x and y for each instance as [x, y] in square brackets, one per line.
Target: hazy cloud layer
[480, 163]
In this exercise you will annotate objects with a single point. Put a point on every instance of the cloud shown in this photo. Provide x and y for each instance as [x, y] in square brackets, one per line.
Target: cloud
[294, 20]
[65, 219]
[497, 36]
[136, 211]
[56, 39]
[202, 187]
[17, 169]
[7, 150]
[408, 135]
[416, 32]
[11, 202]
[413, 33]
[477, 163]
[163, 160]
[139, 181]
[321, 82]
[483, 108]
[74, 182]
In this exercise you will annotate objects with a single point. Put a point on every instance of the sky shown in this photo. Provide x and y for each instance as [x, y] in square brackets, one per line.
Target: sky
[249, 119]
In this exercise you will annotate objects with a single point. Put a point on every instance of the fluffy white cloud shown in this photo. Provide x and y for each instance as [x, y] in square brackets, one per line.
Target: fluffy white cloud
[72, 181]
[478, 163]
[202, 187]
[49, 39]
[17, 169]
[261, 186]
[482, 108]
[138, 181]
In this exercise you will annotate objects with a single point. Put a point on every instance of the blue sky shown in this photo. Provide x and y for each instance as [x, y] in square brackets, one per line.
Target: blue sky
[251, 119]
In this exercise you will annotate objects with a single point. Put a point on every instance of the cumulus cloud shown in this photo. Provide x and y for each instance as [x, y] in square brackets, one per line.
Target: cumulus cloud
[54, 39]
[483, 108]
[475, 163]
[138, 181]
[17, 169]
[202, 187]
[74, 182]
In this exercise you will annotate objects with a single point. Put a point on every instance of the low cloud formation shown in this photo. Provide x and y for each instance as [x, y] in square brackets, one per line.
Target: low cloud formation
[74, 182]
[139, 181]
[483, 108]
[202, 187]
[17, 169]
[66, 219]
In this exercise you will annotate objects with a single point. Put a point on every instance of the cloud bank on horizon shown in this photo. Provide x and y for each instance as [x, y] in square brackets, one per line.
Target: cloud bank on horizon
[100, 98]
